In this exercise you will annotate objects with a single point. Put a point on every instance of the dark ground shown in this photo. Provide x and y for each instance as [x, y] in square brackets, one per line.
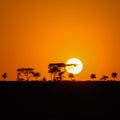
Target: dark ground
[88, 97]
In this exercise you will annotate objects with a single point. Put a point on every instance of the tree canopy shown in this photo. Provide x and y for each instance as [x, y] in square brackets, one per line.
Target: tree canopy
[27, 73]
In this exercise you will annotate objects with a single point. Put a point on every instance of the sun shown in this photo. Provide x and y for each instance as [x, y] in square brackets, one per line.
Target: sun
[76, 67]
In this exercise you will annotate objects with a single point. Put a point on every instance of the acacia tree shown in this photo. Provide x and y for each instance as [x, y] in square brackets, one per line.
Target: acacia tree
[4, 76]
[26, 73]
[92, 76]
[114, 75]
[57, 70]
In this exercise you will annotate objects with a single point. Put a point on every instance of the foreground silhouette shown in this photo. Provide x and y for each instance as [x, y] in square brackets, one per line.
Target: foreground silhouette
[87, 97]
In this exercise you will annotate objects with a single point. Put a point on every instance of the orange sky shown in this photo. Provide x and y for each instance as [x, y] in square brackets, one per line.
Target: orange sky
[34, 33]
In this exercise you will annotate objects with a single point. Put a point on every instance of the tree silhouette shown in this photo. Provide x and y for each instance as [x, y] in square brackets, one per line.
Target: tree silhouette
[114, 75]
[71, 76]
[57, 70]
[4, 76]
[92, 76]
[104, 77]
[27, 73]
[53, 70]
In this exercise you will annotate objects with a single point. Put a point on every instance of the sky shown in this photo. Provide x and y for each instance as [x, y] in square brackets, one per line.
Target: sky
[34, 33]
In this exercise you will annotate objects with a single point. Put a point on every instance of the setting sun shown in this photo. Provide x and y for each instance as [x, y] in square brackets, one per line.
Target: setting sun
[74, 69]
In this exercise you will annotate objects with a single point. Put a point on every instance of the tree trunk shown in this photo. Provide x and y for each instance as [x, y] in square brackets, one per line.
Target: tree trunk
[27, 76]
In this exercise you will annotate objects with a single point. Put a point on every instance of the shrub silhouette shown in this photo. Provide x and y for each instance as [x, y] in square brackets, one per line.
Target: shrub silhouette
[114, 75]
[104, 77]
[4, 76]
[71, 75]
[92, 76]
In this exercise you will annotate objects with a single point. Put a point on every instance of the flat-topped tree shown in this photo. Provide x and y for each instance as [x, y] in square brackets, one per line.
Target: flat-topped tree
[27, 73]
[57, 70]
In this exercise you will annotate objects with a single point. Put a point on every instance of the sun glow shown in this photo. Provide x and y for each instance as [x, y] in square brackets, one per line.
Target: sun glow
[76, 67]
